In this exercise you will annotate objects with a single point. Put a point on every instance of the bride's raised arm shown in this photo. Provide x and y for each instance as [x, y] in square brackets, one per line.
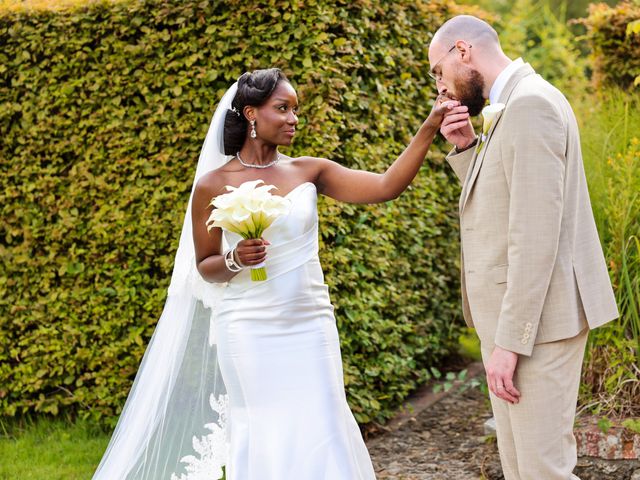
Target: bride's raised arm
[360, 186]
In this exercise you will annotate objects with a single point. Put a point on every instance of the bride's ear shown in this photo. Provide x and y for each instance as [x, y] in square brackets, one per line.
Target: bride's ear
[249, 112]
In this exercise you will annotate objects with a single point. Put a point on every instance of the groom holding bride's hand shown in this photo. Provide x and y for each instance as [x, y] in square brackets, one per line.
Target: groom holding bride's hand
[534, 278]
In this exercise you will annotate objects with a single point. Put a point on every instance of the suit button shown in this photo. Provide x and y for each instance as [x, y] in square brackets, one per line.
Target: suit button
[529, 325]
[525, 336]
[524, 341]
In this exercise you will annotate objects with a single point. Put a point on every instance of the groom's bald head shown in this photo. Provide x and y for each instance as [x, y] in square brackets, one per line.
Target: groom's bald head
[470, 29]
[465, 58]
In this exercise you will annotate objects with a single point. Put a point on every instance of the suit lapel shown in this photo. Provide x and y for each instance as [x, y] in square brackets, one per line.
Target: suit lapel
[479, 158]
[479, 155]
[467, 182]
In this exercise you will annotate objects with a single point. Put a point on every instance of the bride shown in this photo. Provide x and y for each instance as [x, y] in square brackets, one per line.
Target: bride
[245, 374]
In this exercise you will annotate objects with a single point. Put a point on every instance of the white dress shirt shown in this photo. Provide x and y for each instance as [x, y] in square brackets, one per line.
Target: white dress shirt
[502, 79]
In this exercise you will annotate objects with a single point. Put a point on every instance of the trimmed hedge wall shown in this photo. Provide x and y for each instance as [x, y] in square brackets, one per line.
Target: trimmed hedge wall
[613, 34]
[103, 111]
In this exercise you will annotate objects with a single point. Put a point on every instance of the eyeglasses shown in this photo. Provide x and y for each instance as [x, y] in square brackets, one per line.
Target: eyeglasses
[437, 76]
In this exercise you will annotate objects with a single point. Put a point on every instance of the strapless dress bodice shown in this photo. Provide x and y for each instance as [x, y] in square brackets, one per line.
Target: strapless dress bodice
[302, 217]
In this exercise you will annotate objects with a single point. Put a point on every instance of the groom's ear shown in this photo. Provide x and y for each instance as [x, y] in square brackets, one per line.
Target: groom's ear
[464, 50]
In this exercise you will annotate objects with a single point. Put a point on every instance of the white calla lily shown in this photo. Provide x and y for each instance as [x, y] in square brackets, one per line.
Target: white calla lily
[489, 114]
[245, 188]
[248, 210]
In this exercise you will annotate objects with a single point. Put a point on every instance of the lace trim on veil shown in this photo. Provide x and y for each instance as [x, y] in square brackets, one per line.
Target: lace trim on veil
[178, 388]
[213, 448]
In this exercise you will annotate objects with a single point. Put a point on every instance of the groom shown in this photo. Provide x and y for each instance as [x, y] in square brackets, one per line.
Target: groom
[534, 278]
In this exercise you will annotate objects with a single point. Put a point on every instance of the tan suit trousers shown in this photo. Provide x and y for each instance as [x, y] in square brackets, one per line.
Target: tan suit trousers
[535, 436]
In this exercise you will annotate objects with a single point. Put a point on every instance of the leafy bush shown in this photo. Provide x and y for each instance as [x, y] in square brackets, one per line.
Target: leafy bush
[611, 375]
[102, 114]
[532, 30]
[613, 34]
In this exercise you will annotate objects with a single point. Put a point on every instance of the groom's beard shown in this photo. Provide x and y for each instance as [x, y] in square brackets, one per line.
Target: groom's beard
[469, 91]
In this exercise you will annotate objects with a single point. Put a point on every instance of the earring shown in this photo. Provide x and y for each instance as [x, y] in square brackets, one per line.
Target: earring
[253, 129]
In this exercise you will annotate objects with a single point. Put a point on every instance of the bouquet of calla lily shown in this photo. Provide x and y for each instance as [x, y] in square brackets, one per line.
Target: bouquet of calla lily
[248, 210]
[489, 114]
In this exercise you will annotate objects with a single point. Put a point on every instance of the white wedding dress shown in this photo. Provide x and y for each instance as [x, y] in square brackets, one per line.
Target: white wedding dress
[245, 375]
[279, 355]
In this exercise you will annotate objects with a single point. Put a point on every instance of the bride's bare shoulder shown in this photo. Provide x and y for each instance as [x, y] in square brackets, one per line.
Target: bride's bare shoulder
[212, 183]
[311, 167]
[308, 163]
[306, 158]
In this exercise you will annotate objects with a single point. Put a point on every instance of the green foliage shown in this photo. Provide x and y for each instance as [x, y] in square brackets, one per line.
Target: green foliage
[615, 43]
[604, 424]
[103, 111]
[469, 344]
[560, 8]
[449, 380]
[632, 424]
[611, 375]
[533, 30]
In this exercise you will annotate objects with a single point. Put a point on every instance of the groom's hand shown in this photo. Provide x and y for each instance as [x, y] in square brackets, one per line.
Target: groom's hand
[500, 370]
[456, 127]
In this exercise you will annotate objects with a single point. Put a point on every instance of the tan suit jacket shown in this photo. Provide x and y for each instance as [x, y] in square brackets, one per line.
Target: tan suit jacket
[533, 270]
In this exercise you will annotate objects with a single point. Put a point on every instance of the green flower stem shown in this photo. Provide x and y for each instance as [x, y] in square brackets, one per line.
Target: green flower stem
[258, 274]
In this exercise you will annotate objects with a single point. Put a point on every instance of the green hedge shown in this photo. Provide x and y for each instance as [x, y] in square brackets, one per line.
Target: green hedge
[103, 111]
[613, 34]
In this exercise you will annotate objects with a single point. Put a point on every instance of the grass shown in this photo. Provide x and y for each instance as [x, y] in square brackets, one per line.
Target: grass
[50, 449]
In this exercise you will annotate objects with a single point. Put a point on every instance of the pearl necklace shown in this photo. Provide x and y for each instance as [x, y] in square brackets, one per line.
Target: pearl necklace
[253, 165]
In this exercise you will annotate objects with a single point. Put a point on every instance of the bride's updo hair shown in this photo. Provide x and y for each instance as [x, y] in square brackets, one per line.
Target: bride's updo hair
[254, 89]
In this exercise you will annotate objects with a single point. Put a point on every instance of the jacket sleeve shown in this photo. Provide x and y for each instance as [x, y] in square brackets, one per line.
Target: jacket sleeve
[534, 160]
[460, 162]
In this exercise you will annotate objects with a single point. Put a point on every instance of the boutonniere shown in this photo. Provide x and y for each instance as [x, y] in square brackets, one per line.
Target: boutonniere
[489, 115]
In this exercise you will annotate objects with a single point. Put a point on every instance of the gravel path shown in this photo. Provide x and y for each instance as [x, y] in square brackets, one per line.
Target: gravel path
[446, 441]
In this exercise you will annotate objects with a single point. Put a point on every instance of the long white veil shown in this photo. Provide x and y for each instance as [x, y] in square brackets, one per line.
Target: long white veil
[176, 406]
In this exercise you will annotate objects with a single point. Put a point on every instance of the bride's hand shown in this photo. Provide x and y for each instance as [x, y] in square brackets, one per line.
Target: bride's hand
[251, 252]
[443, 106]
